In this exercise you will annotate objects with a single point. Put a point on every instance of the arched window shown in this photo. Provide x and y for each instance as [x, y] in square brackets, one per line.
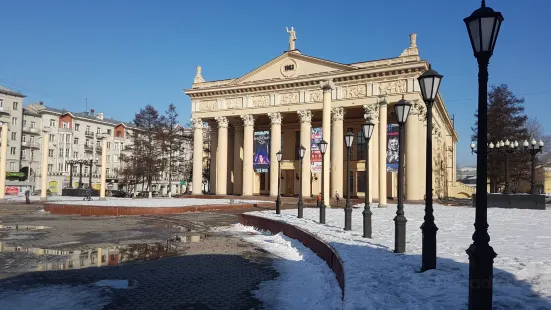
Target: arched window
[360, 146]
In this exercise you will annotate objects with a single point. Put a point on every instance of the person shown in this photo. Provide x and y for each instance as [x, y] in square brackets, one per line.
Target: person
[27, 196]
[337, 197]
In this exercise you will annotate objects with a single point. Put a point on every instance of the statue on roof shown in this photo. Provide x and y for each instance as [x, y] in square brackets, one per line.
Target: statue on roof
[198, 77]
[292, 38]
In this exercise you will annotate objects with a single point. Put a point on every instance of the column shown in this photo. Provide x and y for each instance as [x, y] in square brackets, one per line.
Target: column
[371, 113]
[238, 159]
[327, 87]
[197, 178]
[103, 185]
[275, 146]
[3, 157]
[248, 173]
[44, 178]
[213, 153]
[222, 159]
[337, 140]
[412, 167]
[382, 152]
[305, 138]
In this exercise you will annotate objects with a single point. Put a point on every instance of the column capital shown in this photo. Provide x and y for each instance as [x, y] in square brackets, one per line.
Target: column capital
[222, 121]
[381, 100]
[305, 116]
[420, 110]
[197, 123]
[371, 112]
[248, 120]
[327, 85]
[275, 118]
[337, 113]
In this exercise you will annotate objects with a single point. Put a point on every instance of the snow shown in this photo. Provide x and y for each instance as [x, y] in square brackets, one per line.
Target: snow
[55, 297]
[157, 202]
[304, 282]
[376, 278]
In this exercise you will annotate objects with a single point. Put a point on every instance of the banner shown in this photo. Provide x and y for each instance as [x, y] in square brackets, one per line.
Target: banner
[392, 148]
[315, 154]
[261, 157]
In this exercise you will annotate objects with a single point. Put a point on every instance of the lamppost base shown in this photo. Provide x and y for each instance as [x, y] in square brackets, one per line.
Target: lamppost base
[322, 213]
[367, 223]
[348, 217]
[429, 230]
[400, 233]
[481, 273]
[300, 208]
[278, 205]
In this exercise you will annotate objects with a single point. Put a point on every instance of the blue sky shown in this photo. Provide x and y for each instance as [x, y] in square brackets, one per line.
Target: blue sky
[122, 55]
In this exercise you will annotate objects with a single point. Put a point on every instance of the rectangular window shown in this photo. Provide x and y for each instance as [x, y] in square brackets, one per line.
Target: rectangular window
[118, 134]
[50, 167]
[14, 120]
[77, 127]
[67, 167]
[32, 154]
[67, 138]
[109, 131]
[33, 124]
[23, 138]
[360, 146]
[108, 158]
[24, 123]
[67, 152]
[86, 168]
[1, 103]
[52, 123]
[31, 138]
[15, 105]
[12, 166]
[115, 158]
[98, 145]
[60, 167]
[60, 152]
[108, 145]
[87, 143]
[65, 125]
[117, 146]
[108, 171]
[14, 136]
[12, 150]
[75, 154]
[50, 153]
[75, 141]
[98, 130]
[52, 137]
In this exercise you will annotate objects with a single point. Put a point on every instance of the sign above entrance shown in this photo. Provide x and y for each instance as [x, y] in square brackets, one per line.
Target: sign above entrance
[289, 68]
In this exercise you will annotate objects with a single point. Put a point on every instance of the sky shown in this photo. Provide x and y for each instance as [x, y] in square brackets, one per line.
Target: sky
[118, 56]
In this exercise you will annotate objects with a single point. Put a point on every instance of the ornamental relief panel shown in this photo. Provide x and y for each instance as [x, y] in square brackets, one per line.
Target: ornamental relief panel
[354, 91]
[234, 103]
[315, 95]
[288, 98]
[208, 105]
[394, 87]
[261, 101]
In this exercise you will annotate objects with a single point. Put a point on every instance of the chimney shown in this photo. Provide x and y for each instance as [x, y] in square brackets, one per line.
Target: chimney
[92, 112]
[100, 116]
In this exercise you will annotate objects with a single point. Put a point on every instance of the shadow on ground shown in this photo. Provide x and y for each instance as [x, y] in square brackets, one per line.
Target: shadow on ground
[185, 282]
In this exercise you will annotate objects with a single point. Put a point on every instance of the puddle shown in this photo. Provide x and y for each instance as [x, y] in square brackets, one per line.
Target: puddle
[95, 257]
[23, 227]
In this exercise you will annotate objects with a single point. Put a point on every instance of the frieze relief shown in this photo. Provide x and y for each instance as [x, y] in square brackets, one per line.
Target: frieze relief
[354, 91]
[289, 98]
[261, 101]
[208, 105]
[234, 103]
[394, 87]
[315, 95]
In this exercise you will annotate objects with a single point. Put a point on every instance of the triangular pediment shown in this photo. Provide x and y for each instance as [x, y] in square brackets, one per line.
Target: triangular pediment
[291, 65]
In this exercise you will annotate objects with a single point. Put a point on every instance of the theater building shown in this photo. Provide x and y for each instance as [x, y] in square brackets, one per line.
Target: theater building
[296, 100]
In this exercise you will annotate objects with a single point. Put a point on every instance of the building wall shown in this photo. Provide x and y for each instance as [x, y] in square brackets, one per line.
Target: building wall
[11, 110]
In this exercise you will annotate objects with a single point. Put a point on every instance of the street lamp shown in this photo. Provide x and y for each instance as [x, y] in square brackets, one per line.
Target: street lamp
[348, 139]
[367, 131]
[279, 156]
[483, 27]
[429, 83]
[80, 163]
[402, 109]
[533, 150]
[301, 151]
[322, 145]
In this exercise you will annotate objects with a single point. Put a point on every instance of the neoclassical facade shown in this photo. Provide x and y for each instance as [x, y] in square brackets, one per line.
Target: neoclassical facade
[292, 96]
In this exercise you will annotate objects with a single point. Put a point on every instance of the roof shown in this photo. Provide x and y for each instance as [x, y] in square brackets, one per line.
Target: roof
[7, 91]
[39, 108]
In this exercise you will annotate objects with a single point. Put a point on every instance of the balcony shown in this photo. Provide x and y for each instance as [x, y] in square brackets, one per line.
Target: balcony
[28, 144]
[4, 111]
[88, 148]
[31, 130]
[89, 133]
[68, 130]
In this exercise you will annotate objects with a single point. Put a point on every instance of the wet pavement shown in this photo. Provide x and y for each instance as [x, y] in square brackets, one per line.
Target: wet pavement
[167, 262]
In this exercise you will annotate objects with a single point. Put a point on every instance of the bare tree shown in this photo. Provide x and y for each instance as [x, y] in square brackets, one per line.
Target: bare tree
[536, 131]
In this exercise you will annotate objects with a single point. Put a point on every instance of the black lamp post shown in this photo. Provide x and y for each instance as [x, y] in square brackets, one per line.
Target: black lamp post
[80, 163]
[429, 83]
[279, 156]
[402, 109]
[348, 138]
[483, 26]
[71, 163]
[509, 149]
[533, 152]
[367, 131]
[322, 145]
[301, 151]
